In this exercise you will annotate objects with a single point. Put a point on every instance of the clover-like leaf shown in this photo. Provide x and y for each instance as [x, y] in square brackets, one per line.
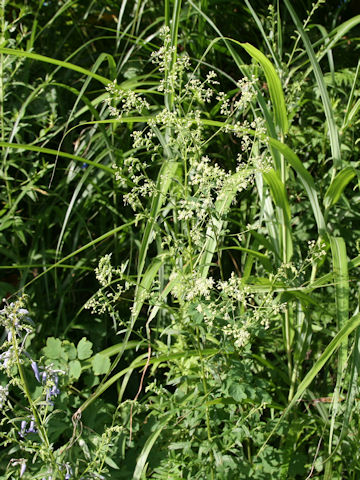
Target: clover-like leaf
[84, 349]
[74, 369]
[100, 364]
[70, 349]
[54, 349]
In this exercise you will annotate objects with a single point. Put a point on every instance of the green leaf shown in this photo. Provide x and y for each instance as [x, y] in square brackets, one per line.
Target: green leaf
[141, 461]
[338, 185]
[274, 85]
[295, 162]
[164, 180]
[335, 343]
[140, 362]
[74, 369]
[81, 249]
[341, 280]
[279, 195]
[54, 349]
[100, 364]
[70, 349]
[222, 205]
[56, 153]
[111, 463]
[333, 132]
[84, 349]
[60, 63]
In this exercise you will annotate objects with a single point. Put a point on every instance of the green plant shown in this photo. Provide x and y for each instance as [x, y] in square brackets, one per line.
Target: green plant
[212, 201]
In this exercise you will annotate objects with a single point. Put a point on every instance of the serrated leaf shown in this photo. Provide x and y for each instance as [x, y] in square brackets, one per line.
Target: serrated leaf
[84, 349]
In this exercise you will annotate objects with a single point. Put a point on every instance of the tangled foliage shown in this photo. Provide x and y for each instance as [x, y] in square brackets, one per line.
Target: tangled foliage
[192, 345]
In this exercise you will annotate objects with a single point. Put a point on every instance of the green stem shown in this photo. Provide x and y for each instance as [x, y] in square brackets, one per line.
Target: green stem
[204, 385]
[208, 429]
[285, 259]
[25, 388]
[2, 93]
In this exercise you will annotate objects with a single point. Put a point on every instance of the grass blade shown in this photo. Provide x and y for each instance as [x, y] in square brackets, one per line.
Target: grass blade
[337, 186]
[274, 84]
[335, 343]
[54, 61]
[333, 132]
[341, 279]
[56, 153]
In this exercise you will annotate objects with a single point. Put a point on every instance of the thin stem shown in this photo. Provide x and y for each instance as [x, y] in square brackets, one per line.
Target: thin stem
[25, 388]
[208, 428]
[2, 92]
[285, 259]
[204, 384]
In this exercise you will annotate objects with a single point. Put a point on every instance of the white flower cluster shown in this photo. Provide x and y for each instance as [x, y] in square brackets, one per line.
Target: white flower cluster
[230, 105]
[133, 172]
[104, 299]
[18, 325]
[163, 57]
[104, 270]
[206, 176]
[4, 392]
[198, 196]
[200, 91]
[199, 287]
[286, 270]
[242, 130]
[240, 335]
[261, 163]
[189, 287]
[126, 101]
[317, 250]
[234, 288]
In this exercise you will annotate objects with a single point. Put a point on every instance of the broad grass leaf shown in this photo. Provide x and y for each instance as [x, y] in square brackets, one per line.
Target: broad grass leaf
[333, 131]
[338, 185]
[54, 61]
[56, 153]
[274, 85]
[335, 343]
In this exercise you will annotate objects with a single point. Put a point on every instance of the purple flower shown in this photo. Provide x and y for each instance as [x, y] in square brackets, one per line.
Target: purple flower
[5, 357]
[22, 468]
[45, 376]
[36, 371]
[54, 391]
[22, 428]
[69, 472]
[32, 428]
[48, 397]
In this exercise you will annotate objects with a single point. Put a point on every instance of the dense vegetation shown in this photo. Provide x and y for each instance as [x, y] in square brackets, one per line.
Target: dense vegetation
[179, 239]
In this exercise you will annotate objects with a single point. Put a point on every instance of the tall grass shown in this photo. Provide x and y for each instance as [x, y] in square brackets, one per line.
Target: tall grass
[186, 234]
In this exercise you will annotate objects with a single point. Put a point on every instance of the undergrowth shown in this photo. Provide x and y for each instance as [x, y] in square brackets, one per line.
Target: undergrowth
[179, 235]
